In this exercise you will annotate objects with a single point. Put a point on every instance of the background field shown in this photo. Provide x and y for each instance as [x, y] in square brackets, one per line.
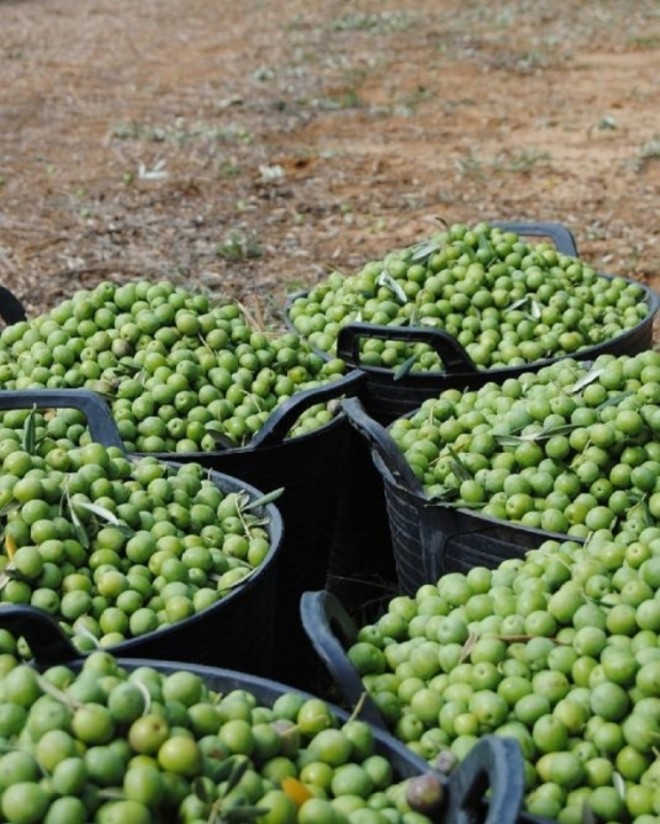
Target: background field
[250, 147]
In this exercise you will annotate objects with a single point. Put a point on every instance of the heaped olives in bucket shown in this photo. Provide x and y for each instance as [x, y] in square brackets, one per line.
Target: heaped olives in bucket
[115, 549]
[182, 374]
[148, 742]
[506, 301]
[558, 650]
[569, 449]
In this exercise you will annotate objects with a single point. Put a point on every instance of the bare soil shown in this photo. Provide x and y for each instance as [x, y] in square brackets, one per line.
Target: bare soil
[249, 148]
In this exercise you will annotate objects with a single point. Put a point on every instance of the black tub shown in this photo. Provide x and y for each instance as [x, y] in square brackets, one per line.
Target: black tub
[367, 558]
[331, 630]
[11, 309]
[310, 469]
[428, 538]
[494, 766]
[387, 397]
[237, 631]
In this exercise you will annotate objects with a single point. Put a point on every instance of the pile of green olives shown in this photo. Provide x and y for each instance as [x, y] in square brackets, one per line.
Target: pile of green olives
[506, 301]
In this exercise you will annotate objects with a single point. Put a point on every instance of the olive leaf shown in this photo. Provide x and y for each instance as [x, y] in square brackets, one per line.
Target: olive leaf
[548, 432]
[228, 587]
[6, 574]
[510, 440]
[619, 784]
[439, 219]
[263, 500]
[49, 688]
[199, 788]
[221, 439]
[458, 467]
[82, 630]
[30, 432]
[414, 317]
[256, 522]
[614, 400]
[238, 770]
[424, 250]
[585, 380]
[10, 506]
[405, 368]
[221, 772]
[79, 529]
[468, 646]
[112, 794]
[127, 366]
[648, 518]
[517, 304]
[10, 546]
[99, 511]
[542, 434]
[238, 815]
[385, 279]
[441, 494]
[145, 694]
[242, 500]
[483, 243]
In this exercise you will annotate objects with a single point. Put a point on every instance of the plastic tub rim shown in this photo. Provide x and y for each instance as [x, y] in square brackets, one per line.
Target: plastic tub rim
[211, 454]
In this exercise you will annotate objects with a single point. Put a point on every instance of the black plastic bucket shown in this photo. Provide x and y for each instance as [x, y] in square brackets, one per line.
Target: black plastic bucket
[331, 631]
[310, 469]
[387, 397]
[368, 555]
[237, 631]
[494, 766]
[361, 565]
[11, 309]
[428, 538]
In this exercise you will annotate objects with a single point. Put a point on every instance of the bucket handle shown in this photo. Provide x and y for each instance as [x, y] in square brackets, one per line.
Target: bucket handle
[101, 424]
[279, 424]
[560, 235]
[323, 615]
[494, 763]
[452, 354]
[380, 441]
[47, 642]
[11, 308]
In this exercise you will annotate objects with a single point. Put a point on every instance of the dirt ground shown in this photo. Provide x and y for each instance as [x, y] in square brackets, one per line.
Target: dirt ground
[248, 148]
